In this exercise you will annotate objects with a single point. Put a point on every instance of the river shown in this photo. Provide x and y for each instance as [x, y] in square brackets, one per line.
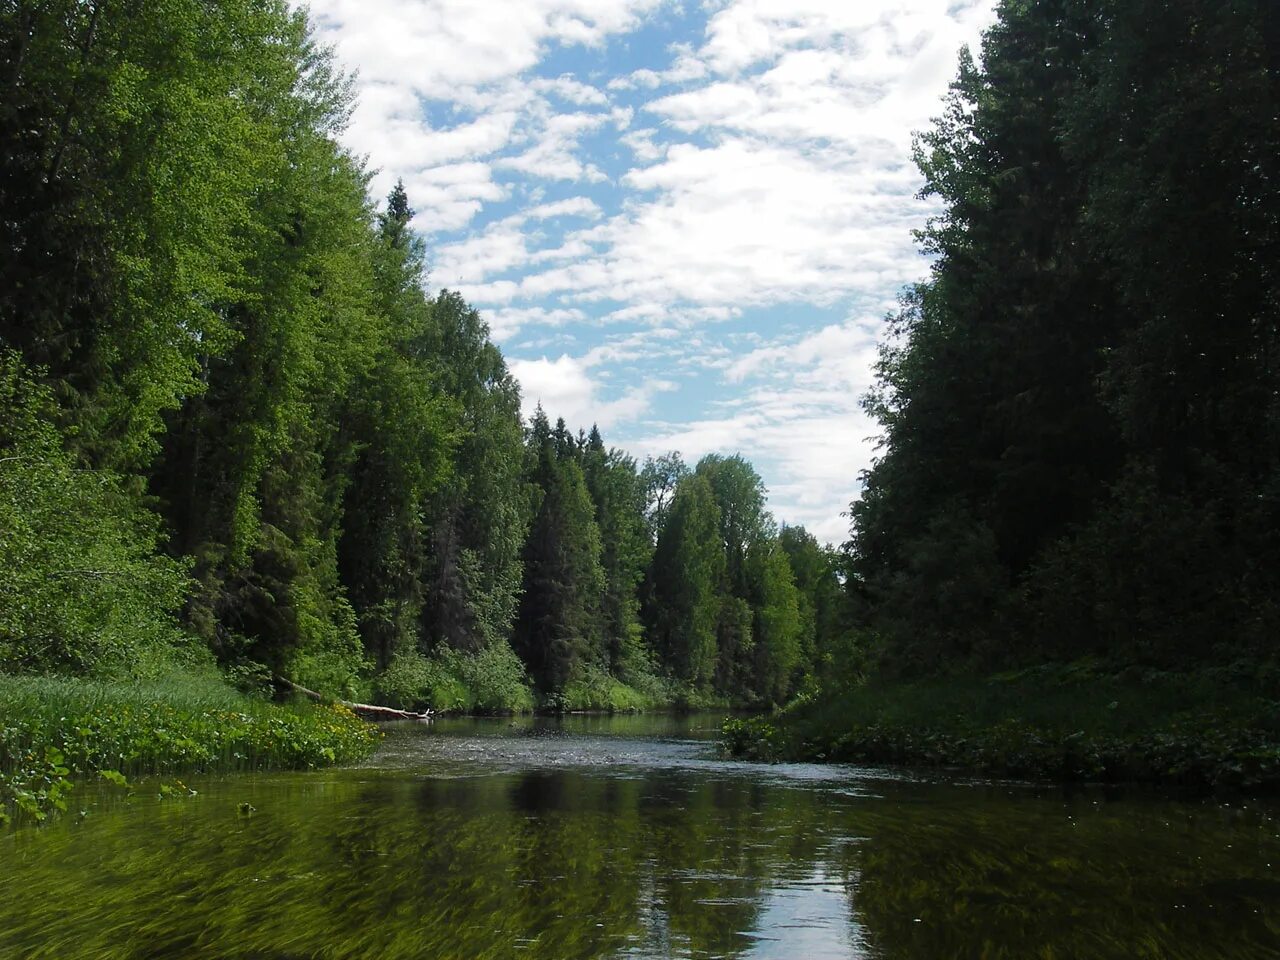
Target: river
[627, 837]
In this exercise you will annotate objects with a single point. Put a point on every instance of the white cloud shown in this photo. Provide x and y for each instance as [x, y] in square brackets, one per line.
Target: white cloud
[804, 193]
[743, 222]
[553, 154]
[571, 207]
[505, 322]
[448, 196]
[565, 388]
[766, 168]
[409, 54]
[567, 88]
[436, 47]
[800, 423]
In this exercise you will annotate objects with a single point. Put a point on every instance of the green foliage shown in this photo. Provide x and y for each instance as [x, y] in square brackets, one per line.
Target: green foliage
[83, 589]
[688, 567]
[53, 732]
[479, 516]
[740, 496]
[1064, 723]
[778, 629]
[559, 629]
[1079, 407]
[751, 738]
[824, 632]
[618, 493]
[399, 436]
[491, 681]
[660, 477]
[594, 689]
[144, 137]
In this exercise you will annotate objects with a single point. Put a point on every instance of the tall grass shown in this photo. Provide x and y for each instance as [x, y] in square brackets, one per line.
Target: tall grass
[54, 731]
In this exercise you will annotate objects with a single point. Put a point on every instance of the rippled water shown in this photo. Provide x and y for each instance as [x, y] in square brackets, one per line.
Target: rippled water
[627, 837]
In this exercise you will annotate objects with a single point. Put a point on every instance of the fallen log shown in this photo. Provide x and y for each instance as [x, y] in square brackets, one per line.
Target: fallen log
[367, 710]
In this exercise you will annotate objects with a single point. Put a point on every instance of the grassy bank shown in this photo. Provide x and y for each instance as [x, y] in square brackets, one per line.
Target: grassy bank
[1066, 724]
[54, 732]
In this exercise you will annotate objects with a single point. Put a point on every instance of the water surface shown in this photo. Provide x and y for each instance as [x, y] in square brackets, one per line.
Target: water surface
[627, 838]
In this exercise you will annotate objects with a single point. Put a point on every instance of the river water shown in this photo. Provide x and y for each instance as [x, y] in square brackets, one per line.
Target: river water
[627, 837]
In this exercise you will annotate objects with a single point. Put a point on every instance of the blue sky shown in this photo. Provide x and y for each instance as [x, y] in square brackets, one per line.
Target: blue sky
[683, 221]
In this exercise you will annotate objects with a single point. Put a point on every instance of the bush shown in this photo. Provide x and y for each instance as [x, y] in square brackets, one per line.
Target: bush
[595, 689]
[1061, 722]
[751, 738]
[491, 681]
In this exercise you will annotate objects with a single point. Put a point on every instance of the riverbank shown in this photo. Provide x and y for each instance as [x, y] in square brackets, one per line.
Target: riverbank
[1061, 724]
[55, 732]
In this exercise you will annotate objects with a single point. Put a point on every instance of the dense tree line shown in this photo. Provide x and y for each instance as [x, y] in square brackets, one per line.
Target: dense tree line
[1081, 407]
[234, 426]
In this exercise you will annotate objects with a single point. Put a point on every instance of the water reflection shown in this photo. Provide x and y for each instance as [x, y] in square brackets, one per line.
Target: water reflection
[576, 841]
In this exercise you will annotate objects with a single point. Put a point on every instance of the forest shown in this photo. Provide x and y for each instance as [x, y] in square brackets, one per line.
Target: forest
[237, 432]
[1065, 559]
[1080, 408]
[239, 435]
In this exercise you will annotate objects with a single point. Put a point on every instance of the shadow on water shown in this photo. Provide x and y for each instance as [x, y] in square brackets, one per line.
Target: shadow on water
[626, 837]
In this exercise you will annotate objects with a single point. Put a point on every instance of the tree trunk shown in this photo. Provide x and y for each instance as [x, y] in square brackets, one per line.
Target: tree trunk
[366, 710]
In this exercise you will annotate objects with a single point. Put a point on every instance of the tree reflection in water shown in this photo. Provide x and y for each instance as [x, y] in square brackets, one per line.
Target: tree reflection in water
[582, 848]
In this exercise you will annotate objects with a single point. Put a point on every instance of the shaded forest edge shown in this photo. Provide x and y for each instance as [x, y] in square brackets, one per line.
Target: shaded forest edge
[1065, 560]
[239, 439]
[1075, 723]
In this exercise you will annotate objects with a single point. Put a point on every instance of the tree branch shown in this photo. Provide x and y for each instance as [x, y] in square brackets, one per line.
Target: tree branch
[367, 710]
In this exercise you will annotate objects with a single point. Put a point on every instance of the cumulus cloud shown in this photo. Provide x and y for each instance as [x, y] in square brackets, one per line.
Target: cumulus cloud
[505, 322]
[564, 387]
[411, 54]
[757, 165]
[794, 183]
[437, 47]
[799, 420]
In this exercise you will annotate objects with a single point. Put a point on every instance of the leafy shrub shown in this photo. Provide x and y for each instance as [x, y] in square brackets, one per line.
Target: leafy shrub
[751, 738]
[84, 589]
[595, 689]
[406, 682]
[491, 681]
[1060, 722]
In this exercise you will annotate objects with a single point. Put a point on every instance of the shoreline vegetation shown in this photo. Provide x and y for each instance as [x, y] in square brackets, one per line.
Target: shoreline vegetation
[1072, 724]
[57, 732]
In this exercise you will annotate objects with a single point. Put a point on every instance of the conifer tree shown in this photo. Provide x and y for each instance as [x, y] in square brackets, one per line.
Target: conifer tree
[687, 573]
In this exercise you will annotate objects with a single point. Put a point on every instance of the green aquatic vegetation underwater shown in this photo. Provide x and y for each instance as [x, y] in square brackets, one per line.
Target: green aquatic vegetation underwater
[435, 853]
[54, 732]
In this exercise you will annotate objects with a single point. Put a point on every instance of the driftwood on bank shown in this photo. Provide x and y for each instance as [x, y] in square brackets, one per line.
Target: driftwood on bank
[367, 710]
